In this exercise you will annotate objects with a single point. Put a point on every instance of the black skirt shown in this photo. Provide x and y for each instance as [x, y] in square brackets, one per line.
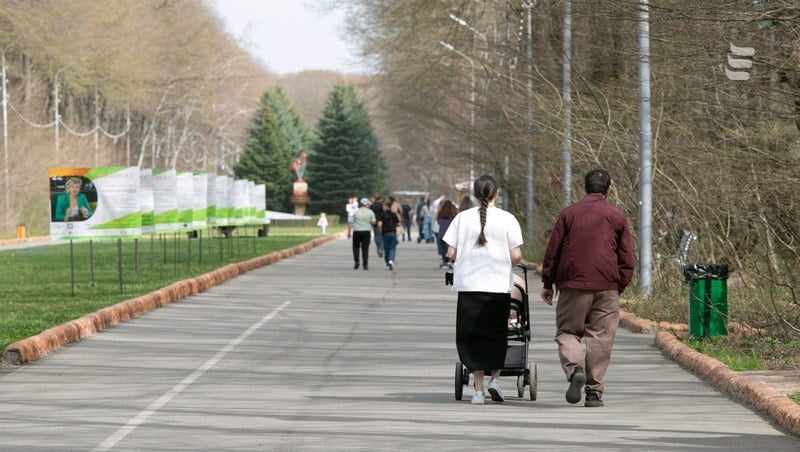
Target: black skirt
[482, 329]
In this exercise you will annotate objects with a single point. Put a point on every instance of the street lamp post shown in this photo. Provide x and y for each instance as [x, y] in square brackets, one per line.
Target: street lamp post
[469, 27]
[471, 107]
[645, 155]
[486, 61]
[529, 204]
[566, 153]
[56, 116]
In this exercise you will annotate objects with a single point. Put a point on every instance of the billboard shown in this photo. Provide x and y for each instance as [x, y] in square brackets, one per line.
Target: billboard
[94, 202]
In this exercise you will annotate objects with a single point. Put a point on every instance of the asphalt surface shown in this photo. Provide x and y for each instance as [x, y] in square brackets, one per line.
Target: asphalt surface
[309, 354]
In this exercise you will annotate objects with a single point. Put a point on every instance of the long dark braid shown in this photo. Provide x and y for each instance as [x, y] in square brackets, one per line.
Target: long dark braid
[485, 187]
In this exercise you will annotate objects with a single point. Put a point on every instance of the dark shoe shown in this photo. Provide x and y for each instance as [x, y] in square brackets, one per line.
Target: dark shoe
[576, 382]
[355, 267]
[592, 400]
[366, 268]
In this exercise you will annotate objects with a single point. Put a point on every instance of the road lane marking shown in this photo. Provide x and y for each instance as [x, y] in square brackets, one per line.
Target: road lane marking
[140, 418]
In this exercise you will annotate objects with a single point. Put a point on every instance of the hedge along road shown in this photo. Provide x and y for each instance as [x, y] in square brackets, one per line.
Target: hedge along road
[309, 354]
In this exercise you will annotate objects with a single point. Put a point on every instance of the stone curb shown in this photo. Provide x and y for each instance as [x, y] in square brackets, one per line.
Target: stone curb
[782, 409]
[25, 240]
[35, 347]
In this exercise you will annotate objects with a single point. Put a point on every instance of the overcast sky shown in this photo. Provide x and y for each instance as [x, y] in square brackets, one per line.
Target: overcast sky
[288, 35]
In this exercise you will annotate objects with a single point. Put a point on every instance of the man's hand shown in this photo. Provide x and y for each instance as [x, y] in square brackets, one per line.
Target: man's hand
[547, 296]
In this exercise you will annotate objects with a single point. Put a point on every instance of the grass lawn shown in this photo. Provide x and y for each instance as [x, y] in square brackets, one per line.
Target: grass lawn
[37, 290]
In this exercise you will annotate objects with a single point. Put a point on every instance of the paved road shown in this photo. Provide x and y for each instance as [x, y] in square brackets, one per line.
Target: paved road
[308, 354]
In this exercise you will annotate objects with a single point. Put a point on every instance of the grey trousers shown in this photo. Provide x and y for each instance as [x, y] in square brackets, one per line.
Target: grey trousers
[591, 315]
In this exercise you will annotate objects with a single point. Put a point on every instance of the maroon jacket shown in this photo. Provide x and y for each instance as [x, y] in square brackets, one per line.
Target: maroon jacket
[589, 248]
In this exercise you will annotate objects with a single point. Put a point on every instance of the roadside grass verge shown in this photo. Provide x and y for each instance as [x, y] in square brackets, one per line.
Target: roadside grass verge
[775, 345]
[36, 289]
[731, 354]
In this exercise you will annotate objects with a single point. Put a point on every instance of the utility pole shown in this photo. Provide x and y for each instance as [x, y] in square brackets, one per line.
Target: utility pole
[96, 127]
[566, 153]
[528, 5]
[55, 114]
[645, 155]
[6, 185]
[450, 47]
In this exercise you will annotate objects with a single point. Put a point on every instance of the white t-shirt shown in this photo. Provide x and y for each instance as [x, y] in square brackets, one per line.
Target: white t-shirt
[434, 206]
[351, 208]
[486, 268]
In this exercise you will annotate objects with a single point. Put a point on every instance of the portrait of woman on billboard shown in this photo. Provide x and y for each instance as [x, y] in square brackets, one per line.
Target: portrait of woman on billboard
[71, 205]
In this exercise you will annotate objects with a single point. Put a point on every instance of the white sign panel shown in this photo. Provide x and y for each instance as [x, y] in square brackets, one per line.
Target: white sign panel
[94, 202]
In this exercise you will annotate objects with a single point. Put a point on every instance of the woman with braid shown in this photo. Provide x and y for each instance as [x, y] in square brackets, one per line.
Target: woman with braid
[484, 242]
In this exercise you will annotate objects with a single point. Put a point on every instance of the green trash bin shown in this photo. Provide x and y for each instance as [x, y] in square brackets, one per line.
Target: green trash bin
[708, 299]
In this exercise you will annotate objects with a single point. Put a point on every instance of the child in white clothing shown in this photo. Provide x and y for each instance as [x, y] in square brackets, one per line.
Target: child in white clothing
[322, 223]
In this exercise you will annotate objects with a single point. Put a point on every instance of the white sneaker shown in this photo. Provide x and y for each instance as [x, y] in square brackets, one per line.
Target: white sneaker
[478, 398]
[391, 265]
[495, 390]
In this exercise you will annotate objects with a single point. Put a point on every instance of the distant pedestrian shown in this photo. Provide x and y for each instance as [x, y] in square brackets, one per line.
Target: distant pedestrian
[435, 204]
[407, 209]
[360, 229]
[589, 259]
[377, 208]
[427, 218]
[387, 223]
[485, 243]
[447, 211]
[418, 218]
[322, 223]
[466, 203]
[398, 210]
[350, 208]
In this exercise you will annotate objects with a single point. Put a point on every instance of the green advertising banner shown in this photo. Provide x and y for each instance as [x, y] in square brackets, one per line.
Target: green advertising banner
[241, 201]
[185, 192]
[146, 201]
[223, 208]
[94, 202]
[166, 203]
[199, 201]
[211, 205]
[261, 204]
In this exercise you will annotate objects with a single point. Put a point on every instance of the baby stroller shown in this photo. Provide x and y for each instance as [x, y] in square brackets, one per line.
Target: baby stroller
[519, 336]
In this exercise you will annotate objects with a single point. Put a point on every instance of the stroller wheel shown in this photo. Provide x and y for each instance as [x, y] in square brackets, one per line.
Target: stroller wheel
[533, 383]
[459, 380]
[521, 385]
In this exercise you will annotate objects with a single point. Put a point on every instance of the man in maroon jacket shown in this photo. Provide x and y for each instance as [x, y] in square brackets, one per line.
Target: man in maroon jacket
[590, 261]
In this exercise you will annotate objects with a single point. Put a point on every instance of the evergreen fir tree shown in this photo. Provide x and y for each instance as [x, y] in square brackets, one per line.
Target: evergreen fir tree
[346, 161]
[267, 155]
[299, 134]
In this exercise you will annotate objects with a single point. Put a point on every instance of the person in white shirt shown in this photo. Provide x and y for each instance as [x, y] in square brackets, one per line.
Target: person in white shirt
[322, 223]
[360, 228]
[484, 242]
[351, 207]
